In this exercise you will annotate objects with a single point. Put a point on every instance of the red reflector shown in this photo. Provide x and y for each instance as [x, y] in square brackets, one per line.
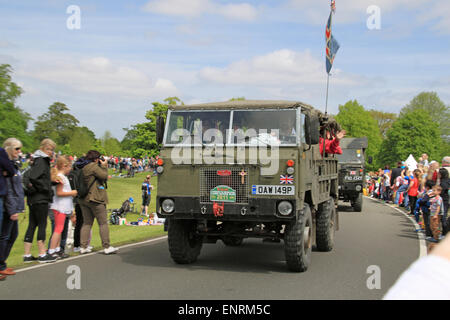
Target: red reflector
[290, 163]
[160, 162]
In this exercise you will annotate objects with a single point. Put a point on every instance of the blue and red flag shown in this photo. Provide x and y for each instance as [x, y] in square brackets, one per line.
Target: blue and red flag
[332, 44]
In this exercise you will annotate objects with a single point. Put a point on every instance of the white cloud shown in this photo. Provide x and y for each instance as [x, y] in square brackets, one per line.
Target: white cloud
[196, 8]
[99, 75]
[279, 68]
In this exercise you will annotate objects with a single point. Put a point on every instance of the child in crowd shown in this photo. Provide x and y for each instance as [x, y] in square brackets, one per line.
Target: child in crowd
[413, 190]
[435, 212]
[62, 205]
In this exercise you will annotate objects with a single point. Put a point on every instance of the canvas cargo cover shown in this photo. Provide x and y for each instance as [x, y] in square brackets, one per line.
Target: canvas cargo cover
[354, 143]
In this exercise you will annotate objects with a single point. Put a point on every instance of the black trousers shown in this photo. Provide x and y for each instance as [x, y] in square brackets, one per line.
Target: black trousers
[38, 219]
[78, 225]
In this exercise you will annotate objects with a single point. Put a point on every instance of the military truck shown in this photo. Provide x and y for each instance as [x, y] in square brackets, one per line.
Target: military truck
[246, 169]
[351, 166]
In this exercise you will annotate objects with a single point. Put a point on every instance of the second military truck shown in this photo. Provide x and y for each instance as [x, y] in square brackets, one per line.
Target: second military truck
[352, 174]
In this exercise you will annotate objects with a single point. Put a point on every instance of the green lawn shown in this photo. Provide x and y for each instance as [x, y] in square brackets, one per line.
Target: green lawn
[119, 189]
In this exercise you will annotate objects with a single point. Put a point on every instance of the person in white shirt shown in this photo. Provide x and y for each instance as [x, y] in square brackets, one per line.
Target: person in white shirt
[426, 279]
[62, 205]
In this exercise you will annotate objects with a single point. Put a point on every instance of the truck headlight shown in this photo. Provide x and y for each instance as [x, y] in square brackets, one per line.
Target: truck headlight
[168, 205]
[358, 188]
[160, 169]
[290, 170]
[285, 208]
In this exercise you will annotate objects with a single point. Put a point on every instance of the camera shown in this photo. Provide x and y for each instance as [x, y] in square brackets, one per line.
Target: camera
[102, 158]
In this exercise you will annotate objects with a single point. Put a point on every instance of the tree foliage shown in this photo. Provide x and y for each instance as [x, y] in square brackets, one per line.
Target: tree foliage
[140, 139]
[413, 133]
[358, 122]
[56, 124]
[13, 120]
[430, 103]
[384, 120]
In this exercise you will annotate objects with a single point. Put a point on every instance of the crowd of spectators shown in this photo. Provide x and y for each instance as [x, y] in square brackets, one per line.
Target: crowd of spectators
[422, 190]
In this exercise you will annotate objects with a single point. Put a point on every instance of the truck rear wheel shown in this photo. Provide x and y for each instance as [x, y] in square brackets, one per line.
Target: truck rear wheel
[325, 220]
[357, 204]
[230, 241]
[298, 242]
[184, 244]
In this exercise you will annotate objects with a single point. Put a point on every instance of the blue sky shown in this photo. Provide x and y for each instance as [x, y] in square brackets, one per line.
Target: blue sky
[128, 54]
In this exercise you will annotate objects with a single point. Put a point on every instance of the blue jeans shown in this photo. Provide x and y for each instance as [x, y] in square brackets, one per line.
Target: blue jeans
[400, 190]
[8, 235]
[1, 212]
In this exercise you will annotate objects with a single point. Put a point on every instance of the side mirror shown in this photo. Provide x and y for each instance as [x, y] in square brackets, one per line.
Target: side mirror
[159, 129]
[370, 159]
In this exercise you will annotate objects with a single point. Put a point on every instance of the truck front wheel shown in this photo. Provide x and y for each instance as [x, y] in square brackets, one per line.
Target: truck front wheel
[298, 242]
[357, 204]
[184, 244]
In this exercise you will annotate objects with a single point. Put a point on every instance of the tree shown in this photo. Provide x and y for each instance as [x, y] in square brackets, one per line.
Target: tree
[384, 120]
[13, 120]
[56, 124]
[81, 141]
[111, 144]
[430, 103]
[358, 122]
[413, 133]
[140, 139]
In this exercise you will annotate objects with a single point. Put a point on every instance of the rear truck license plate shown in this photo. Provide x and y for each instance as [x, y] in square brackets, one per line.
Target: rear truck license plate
[222, 194]
[273, 190]
[353, 178]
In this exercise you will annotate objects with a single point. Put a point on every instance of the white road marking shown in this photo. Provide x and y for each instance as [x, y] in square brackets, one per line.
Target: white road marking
[88, 254]
[422, 242]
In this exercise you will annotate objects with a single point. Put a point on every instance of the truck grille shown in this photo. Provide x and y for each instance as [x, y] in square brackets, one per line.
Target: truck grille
[210, 178]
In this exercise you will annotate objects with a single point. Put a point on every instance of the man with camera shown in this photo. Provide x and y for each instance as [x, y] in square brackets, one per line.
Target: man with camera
[93, 206]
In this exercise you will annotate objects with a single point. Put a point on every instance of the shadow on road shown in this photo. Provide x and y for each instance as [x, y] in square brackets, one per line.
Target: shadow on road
[252, 257]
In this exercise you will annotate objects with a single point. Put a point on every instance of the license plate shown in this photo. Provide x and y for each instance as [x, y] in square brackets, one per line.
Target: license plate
[353, 178]
[273, 190]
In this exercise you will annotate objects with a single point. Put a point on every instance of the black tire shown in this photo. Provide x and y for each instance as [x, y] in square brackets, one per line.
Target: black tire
[357, 204]
[298, 242]
[184, 244]
[325, 226]
[230, 241]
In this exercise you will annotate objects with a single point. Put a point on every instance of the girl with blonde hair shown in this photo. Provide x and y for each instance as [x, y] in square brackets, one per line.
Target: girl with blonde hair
[39, 195]
[62, 205]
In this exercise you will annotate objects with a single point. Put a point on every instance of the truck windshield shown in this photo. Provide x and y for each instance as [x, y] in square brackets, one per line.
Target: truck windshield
[351, 156]
[249, 127]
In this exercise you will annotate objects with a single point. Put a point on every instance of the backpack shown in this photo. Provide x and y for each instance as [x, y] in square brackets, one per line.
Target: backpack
[115, 218]
[76, 179]
[27, 189]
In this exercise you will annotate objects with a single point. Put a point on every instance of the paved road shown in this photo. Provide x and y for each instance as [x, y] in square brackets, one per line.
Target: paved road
[378, 236]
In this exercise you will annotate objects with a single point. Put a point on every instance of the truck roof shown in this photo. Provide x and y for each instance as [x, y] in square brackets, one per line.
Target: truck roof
[245, 104]
[354, 143]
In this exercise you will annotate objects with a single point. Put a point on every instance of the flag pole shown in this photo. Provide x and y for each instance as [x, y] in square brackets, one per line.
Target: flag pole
[326, 101]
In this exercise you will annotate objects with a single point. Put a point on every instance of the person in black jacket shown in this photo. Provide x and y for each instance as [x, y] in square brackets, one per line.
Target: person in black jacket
[445, 185]
[14, 205]
[6, 170]
[38, 200]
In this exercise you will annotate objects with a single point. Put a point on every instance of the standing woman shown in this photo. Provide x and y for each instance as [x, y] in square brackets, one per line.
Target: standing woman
[39, 196]
[14, 204]
[6, 170]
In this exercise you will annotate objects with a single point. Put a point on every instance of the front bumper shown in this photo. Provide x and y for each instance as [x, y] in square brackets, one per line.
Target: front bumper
[257, 209]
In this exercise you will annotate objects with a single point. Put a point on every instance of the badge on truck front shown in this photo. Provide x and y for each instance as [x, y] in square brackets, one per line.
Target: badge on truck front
[273, 190]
